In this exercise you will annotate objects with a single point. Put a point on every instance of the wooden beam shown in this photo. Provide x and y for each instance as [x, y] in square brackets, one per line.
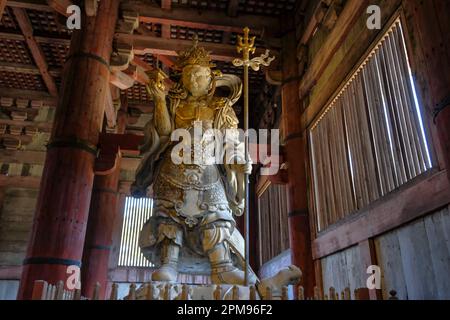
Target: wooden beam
[2, 7]
[39, 5]
[26, 68]
[233, 7]
[110, 112]
[60, 6]
[27, 182]
[164, 47]
[395, 210]
[352, 11]
[204, 19]
[39, 39]
[35, 49]
[29, 94]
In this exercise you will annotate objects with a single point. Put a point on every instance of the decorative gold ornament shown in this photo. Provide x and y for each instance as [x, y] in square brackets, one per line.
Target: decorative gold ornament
[194, 55]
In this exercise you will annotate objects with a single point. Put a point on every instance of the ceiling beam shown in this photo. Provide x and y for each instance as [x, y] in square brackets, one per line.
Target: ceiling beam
[60, 6]
[40, 5]
[165, 47]
[35, 49]
[26, 68]
[2, 6]
[204, 19]
[20, 37]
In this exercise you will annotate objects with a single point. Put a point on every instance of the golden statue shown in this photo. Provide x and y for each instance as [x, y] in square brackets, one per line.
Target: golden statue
[192, 229]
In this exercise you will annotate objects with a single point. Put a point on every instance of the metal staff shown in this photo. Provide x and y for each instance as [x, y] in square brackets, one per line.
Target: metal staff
[246, 45]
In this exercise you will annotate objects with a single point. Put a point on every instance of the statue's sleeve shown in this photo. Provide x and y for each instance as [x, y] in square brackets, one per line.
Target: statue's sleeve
[151, 151]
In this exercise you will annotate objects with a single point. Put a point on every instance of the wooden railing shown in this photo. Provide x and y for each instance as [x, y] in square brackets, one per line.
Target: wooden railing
[42, 290]
[157, 291]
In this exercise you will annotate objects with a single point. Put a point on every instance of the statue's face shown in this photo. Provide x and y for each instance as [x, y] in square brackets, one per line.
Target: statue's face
[197, 79]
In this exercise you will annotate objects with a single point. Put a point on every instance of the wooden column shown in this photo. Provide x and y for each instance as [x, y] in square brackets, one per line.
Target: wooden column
[99, 233]
[103, 215]
[63, 205]
[299, 231]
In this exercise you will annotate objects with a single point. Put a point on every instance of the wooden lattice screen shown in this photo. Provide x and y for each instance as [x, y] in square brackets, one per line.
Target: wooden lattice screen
[371, 138]
[137, 212]
[273, 222]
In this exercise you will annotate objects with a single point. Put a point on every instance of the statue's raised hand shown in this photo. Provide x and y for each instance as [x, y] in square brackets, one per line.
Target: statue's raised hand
[156, 90]
[155, 85]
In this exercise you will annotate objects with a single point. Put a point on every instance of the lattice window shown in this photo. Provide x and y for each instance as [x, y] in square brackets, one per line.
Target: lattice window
[273, 222]
[137, 212]
[371, 138]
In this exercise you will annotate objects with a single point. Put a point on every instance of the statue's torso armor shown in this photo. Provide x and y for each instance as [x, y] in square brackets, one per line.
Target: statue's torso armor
[191, 193]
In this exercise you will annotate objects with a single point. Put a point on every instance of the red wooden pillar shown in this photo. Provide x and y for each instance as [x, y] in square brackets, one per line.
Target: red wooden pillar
[63, 205]
[100, 233]
[102, 221]
[299, 231]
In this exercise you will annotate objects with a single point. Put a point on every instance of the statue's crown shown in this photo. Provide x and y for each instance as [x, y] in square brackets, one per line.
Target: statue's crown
[194, 55]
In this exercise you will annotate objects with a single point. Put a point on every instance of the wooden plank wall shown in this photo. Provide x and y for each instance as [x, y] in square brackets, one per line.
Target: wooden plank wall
[343, 269]
[415, 259]
[16, 219]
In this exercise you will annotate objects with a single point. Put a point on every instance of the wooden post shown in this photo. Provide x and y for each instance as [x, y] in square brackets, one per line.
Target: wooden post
[218, 293]
[96, 291]
[149, 292]
[132, 292]
[235, 293]
[39, 290]
[299, 230]
[63, 205]
[368, 258]
[99, 235]
[252, 294]
[114, 291]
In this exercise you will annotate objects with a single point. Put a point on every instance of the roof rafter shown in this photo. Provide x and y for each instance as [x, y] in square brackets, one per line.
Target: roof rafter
[165, 47]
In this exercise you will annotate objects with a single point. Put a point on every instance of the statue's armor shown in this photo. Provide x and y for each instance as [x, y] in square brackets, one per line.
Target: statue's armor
[192, 196]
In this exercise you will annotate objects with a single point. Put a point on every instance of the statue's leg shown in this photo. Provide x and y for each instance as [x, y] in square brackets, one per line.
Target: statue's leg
[170, 238]
[214, 245]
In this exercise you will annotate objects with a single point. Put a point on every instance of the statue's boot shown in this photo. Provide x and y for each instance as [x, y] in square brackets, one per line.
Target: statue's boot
[169, 262]
[222, 269]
